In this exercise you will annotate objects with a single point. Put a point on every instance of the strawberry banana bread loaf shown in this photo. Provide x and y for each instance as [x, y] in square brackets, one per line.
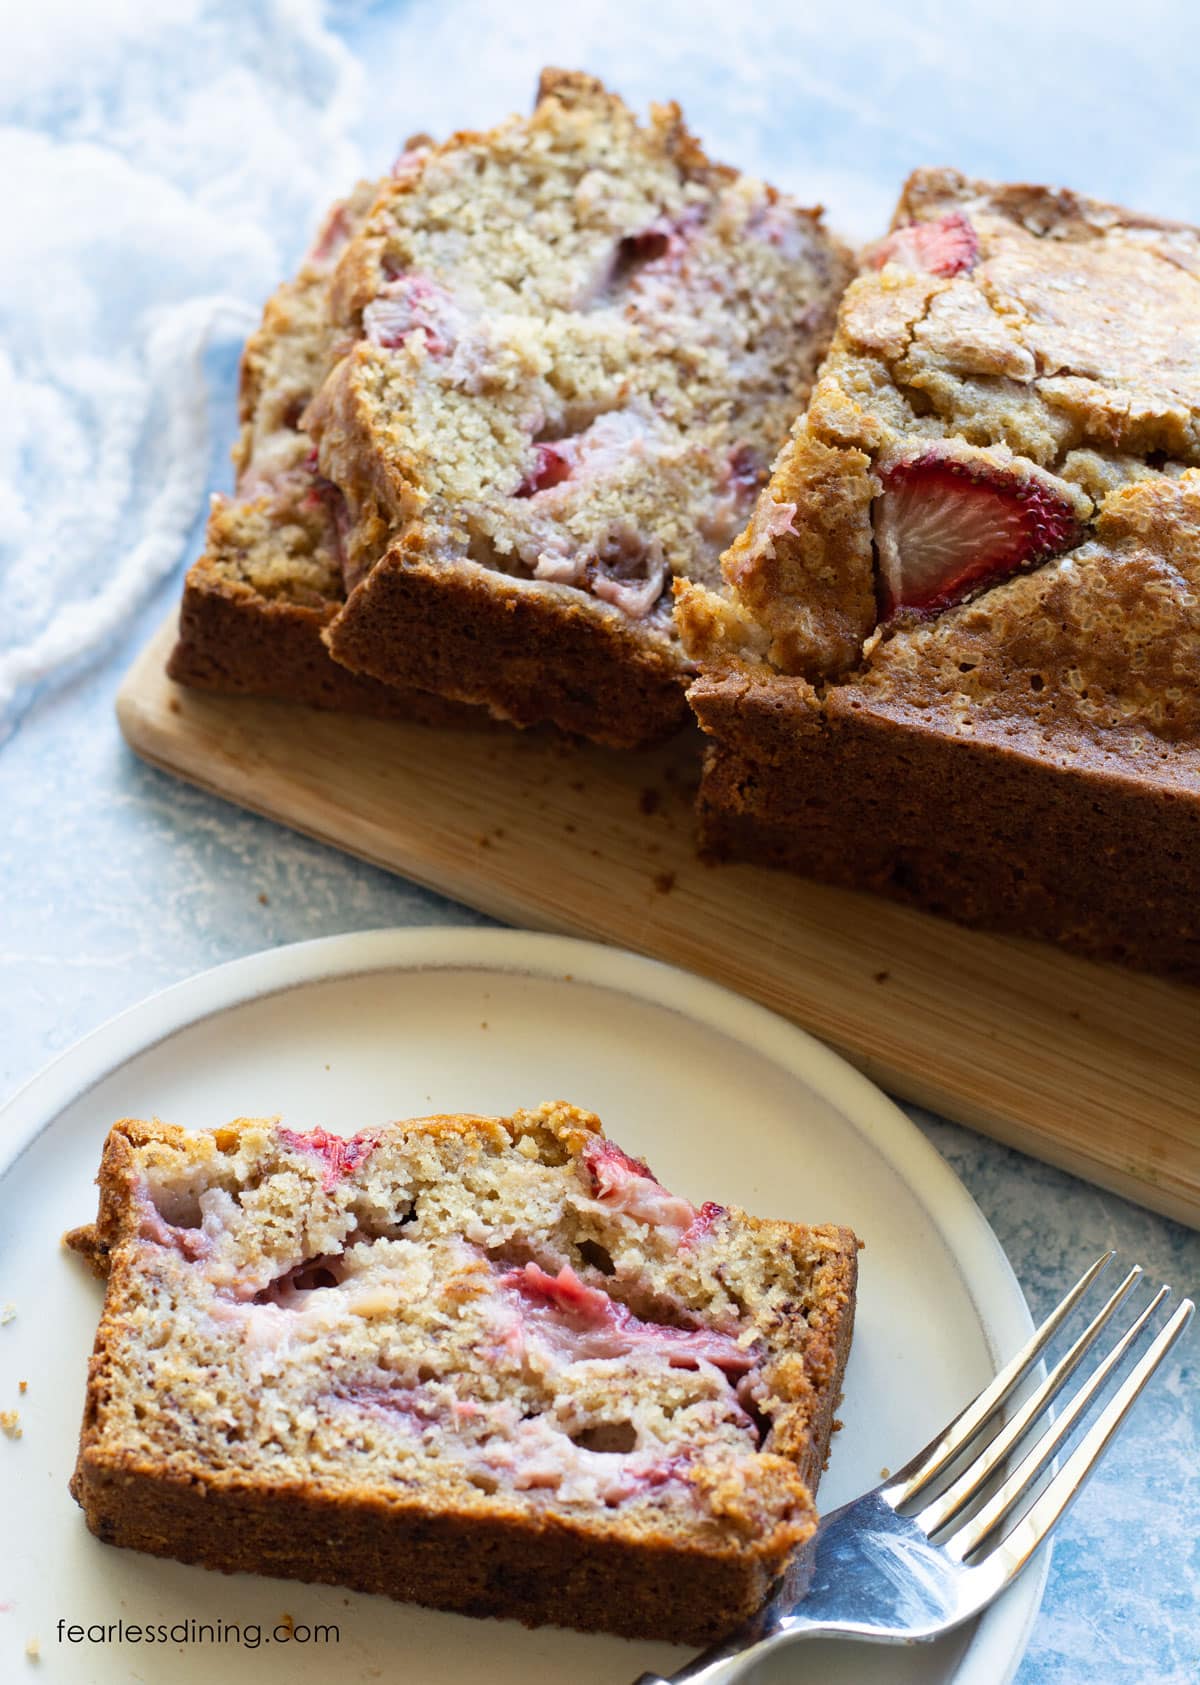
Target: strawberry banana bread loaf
[956, 660]
[270, 579]
[490, 1365]
[572, 347]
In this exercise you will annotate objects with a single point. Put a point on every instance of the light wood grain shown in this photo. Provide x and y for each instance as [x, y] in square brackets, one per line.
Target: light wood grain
[1089, 1066]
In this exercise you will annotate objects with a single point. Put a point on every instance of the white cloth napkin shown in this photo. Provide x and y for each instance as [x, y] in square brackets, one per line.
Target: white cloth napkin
[164, 163]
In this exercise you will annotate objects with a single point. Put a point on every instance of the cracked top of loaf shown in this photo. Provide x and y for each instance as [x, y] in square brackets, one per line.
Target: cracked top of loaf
[504, 1317]
[988, 506]
[572, 346]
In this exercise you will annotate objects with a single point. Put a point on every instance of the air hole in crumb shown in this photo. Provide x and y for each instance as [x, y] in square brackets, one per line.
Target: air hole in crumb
[484, 549]
[635, 250]
[178, 1206]
[615, 1438]
[374, 1226]
[252, 1183]
[301, 1279]
[597, 1256]
[762, 1423]
[1036, 682]
[919, 402]
[515, 1254]
[575, 416]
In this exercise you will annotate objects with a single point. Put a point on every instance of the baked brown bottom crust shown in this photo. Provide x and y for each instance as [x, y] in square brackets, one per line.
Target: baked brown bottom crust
[554, 1574]
[236, 642]
[1096, 861]
[480, 637]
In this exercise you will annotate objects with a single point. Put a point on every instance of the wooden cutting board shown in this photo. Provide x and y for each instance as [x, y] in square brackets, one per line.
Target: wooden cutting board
[1091, 1067]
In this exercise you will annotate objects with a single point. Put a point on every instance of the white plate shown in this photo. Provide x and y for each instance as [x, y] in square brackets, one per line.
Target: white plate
[726, 1100]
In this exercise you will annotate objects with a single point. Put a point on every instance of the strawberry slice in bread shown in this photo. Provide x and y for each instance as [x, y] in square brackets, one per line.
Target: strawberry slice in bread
[946, 526]
[947, 246]
[486, 1364]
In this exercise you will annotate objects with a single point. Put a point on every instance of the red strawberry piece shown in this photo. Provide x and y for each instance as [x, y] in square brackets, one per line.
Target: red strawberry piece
[629, 1185]
[945, 529]
[611, 1168]
[565, 1292]
[551, 467]
[408, 302]
[747, 469]
[949, 246]
[332, 237]
[342, 1154]
[586, 1323]
[701, 1223]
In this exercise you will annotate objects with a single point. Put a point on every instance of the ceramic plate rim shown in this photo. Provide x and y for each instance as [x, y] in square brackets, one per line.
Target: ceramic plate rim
[1000, 1640]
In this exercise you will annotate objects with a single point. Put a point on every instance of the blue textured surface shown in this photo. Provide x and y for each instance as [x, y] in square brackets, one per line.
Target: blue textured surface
[116, 880]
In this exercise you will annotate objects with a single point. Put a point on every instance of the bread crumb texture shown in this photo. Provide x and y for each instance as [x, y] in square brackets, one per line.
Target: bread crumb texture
[576, 346]
[506, 1325]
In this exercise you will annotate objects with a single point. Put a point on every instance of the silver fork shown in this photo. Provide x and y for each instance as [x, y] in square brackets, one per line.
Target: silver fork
[871, 1572]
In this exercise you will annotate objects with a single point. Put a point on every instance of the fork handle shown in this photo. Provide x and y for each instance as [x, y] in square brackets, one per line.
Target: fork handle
[727, 1662]
[721, 1671]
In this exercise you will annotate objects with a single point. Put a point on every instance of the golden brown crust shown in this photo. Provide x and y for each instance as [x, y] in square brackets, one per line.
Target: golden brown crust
[1065, 350]
[1095, 655]
[930, 190]
[476, 636]
[803, 571]
[1030, 760]
[1094, 858]
[235, 641]
[541, 1575]
[642, 1577]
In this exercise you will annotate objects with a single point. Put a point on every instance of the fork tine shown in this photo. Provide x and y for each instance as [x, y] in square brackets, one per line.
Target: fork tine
[970, 1536]
[947, 1505]
[930, 1462]
[1019, 1544]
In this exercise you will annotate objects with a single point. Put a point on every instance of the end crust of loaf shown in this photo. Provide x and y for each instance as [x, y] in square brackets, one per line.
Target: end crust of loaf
[235, 642]
[252, 1251]
[257, 601]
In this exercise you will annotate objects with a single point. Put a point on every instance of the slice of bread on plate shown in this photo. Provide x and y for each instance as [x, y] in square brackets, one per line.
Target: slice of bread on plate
[486, 1364]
